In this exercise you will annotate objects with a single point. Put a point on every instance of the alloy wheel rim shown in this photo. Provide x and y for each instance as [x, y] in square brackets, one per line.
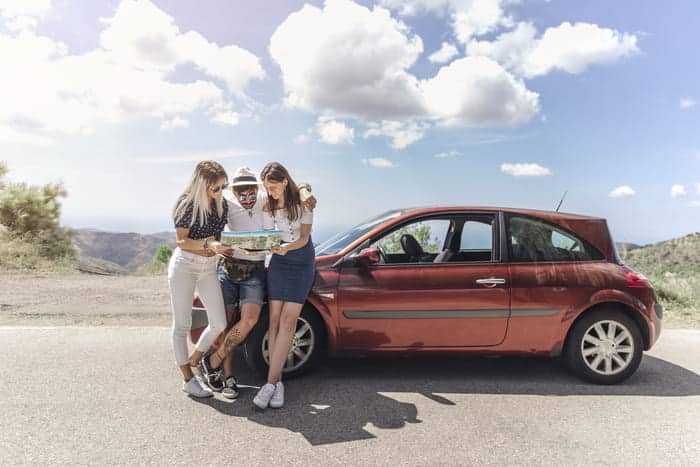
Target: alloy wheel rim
[303, 343]
[607, 347]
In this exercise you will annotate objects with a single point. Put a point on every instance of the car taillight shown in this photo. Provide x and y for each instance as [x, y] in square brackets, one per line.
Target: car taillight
[634, 279]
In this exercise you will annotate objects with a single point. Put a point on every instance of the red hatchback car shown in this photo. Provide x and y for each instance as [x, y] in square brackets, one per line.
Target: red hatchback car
[473, 280]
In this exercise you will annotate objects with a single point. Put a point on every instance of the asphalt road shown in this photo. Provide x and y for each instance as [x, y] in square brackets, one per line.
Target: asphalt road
[111, 395]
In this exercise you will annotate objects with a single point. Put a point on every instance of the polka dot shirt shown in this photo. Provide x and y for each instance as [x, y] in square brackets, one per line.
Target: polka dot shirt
[214, 226]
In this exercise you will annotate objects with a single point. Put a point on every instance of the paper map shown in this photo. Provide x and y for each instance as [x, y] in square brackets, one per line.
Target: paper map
[253, 240]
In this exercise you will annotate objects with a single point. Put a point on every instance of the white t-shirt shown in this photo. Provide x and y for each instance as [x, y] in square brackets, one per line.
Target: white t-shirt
[240, 218]
[280, 221]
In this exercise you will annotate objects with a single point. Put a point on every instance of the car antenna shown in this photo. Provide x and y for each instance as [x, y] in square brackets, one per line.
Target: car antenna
[561, 200]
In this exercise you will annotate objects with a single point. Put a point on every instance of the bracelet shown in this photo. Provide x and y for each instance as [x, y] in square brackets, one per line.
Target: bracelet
[205, 244]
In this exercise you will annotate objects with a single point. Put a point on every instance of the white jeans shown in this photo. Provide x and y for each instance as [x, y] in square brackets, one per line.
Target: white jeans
[186, 272]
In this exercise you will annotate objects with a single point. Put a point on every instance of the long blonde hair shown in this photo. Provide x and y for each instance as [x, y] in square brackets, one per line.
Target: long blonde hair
[205, 175]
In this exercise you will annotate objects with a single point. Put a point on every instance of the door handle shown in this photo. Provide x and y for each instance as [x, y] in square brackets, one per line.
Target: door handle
[491, 281]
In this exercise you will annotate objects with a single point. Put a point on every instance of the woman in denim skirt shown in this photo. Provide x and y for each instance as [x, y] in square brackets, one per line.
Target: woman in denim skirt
[199, 216]
[290, 274]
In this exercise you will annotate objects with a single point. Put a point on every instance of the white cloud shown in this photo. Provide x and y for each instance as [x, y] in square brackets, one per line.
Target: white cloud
[687, 102]
[678, 190]
[176, 122]
[402, 134]
[477, 91]
[229, 118]
[567, 47]
[379, 162]
[694, 204]
[510, 49]
[333, 132]
[443, 155]
[142, 35]
[697, 188]
[468, 17]
[46, 91]
[23, 14]
[348, 60]
[525, 170]
[415, 7]
[621, 191]
[478, 18]
[446, 53]
[302, 138]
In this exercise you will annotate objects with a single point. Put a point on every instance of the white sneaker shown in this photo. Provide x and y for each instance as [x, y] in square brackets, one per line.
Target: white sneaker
[277, 400]
[196, 388]
[262, 398]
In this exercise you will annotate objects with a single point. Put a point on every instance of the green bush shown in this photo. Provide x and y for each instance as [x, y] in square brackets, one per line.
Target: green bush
[163, 254]
[30, 232]
[159, 265]
[420, 231]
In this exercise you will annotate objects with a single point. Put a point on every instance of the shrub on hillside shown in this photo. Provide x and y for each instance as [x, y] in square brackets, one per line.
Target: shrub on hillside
[159, 265]
[30, 231]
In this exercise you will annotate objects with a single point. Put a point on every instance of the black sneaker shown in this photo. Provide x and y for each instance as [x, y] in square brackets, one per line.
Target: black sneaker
[210, 375]
[230, 390]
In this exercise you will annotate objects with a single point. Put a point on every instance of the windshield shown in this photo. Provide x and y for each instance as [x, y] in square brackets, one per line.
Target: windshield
[339, 241]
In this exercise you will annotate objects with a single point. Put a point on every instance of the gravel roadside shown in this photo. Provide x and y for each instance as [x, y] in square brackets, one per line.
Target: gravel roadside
[84, 299]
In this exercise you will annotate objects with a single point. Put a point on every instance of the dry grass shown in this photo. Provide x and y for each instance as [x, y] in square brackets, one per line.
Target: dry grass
[673, 267]
[680, 296]
[18, 255]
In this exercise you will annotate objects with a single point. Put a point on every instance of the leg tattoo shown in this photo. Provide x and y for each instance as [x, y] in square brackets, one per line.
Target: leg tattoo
[233, 338]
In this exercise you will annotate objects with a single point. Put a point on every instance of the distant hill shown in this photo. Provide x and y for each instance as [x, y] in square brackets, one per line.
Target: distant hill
[102, 250]
[680, 256]
[623, 247]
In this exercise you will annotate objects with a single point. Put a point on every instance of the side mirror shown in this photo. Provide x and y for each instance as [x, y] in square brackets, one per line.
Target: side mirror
[367, 256]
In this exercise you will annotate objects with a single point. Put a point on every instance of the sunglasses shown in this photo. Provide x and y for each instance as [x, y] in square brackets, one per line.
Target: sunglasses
[215, 189]
[247, 196]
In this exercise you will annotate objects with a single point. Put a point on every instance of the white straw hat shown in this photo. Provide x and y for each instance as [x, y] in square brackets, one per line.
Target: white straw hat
[244, 176]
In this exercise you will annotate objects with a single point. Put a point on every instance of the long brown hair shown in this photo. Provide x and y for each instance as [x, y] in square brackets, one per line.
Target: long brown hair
[275, 172]
[205, 175]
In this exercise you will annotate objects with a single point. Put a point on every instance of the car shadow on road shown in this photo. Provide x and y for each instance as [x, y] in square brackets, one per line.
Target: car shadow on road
[338, 401]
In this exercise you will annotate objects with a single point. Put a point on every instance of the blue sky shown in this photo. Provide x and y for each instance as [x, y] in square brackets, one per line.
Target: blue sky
[526, 99]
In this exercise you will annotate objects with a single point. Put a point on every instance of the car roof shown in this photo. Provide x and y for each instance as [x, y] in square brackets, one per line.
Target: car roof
[531, 212]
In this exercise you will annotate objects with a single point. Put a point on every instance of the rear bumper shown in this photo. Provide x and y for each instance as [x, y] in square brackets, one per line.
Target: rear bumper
[656, 315]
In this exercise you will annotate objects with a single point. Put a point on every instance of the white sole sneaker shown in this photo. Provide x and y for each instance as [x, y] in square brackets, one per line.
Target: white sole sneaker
[262, 398]
[277, 400]
[195, 388]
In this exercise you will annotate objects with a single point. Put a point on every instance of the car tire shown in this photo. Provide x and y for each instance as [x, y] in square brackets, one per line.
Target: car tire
[593, 355]
[311, 344]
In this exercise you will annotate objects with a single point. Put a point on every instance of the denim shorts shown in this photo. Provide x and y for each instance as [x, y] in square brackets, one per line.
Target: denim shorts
[251, 290]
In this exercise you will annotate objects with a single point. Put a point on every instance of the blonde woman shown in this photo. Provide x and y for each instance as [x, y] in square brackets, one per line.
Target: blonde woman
[290, 274]
[199, 216]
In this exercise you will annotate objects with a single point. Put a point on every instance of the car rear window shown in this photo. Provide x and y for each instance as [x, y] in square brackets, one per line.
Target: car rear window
[533, 240]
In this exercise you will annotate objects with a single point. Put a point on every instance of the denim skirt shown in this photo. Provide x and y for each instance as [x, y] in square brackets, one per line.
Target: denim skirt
[289, 277]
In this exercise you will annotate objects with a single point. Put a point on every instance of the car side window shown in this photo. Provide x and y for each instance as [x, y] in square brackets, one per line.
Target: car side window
[532, 240]
[417, 242]
[476, 235]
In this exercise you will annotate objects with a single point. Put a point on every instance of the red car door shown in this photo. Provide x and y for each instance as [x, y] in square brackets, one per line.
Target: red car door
[458, 303]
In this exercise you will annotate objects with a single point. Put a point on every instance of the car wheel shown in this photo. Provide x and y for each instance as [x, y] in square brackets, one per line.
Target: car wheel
[308, 344]
[604, 347]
